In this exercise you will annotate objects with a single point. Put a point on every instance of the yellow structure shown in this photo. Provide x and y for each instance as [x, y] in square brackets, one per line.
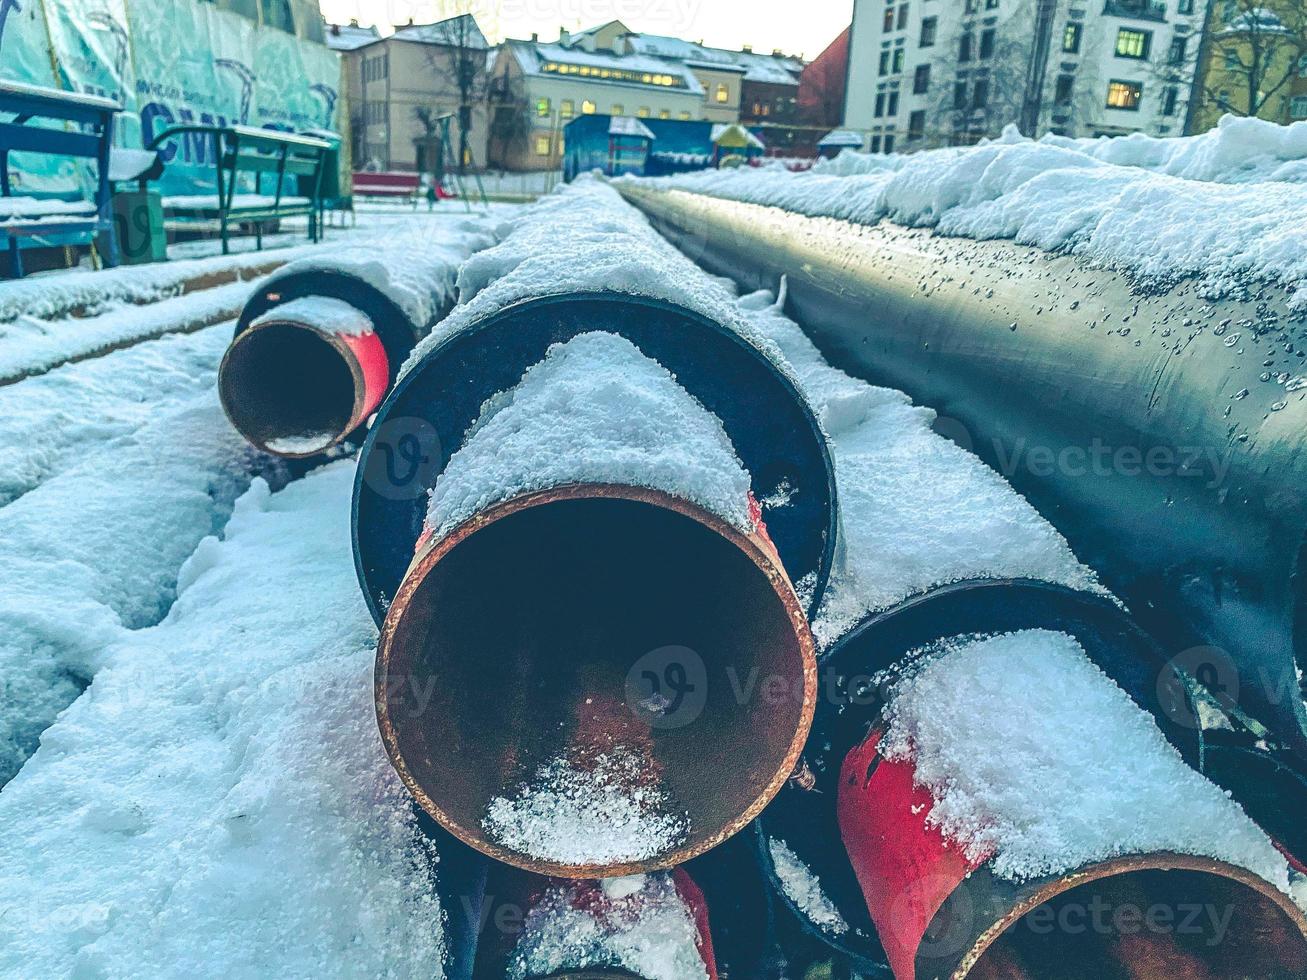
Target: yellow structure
[1255, 62]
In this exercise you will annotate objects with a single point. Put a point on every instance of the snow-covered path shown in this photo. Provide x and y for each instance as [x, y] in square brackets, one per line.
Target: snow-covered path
[218, 802]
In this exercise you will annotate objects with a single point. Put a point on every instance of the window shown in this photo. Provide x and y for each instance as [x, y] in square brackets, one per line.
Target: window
[880, 104]
[1185, 7]
[875, 143]
[567, 109]
[587, 107]
[542, 146]
[1062, 93]
[980, 94]
[929, 28]
[1232, 62]
[991, 4]
[972, 6]
[618, 109]
[921, 80]
[1298, 107]
[899, 54]
[1133, 44]
[889, 142]
[664, 113]
[964, 48]
[1179, 46]
[884, 63]
[1124, 95]
[959, 94]
[642, 112]
[1071, 38]
[892, 107]
[276, 13]
[542, 107]
[723, 93]
[1170, 95]
[903, 17]
[987, 43]
[685, 115]
[917, 125]
[888, 24]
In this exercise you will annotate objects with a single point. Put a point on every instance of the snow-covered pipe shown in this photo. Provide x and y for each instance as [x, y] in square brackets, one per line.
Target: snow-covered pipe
[573, 263]
[644, 927]
[596, 663]
[941, 912]
[321, 341]
[303, 376]
[983, 748]
[1160, 430]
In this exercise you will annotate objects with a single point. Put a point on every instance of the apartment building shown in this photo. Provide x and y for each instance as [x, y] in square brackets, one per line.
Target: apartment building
[928, 73]
[1255, 62]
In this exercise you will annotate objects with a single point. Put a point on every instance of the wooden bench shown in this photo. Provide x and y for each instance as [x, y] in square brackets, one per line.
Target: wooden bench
[386, 183]
[241, 153]
[43, 221]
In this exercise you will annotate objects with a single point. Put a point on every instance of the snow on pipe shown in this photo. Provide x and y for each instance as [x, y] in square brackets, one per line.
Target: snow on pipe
[1023, 783]
[647, 927]
[567, 675]
[1162, 431]
[320, 342]
[303, 376]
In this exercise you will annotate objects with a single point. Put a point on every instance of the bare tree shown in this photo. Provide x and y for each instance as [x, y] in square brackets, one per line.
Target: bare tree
[1253, 48]
[980, 86]
[459, 59]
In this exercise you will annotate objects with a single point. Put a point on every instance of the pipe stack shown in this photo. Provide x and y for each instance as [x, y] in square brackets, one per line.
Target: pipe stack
[320, 342]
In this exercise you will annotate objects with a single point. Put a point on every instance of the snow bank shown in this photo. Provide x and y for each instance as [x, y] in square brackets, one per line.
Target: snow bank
[30, 346]
[997, 731]
[583, 238]
[803, 889]
[1085, 197]
[642, 924]
[599, 814]
[326, 314]
[51, 422]
[219, 803]
[916, 510]
[595, 410]
[413, 266]
[95, 550]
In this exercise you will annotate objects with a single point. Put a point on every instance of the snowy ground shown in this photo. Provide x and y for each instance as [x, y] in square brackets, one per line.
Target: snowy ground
[192, 653]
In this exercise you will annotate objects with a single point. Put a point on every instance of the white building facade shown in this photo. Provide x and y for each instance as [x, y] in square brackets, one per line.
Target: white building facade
[926, 73]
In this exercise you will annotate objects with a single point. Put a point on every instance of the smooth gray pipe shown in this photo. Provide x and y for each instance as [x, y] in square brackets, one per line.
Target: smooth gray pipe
[1164, 433]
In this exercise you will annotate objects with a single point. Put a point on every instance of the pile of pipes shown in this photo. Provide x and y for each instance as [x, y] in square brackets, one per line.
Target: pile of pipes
[702, 659]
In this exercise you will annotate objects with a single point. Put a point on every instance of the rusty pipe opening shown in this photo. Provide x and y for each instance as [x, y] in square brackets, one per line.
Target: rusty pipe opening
[607, 663]
[295, 390]
[1144, 918]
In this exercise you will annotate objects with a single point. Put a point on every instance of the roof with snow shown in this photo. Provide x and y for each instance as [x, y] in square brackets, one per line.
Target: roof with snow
[455, 32]
[604, 67]
[347, 37]
[841, 137]
[629, 126]
[733, 135]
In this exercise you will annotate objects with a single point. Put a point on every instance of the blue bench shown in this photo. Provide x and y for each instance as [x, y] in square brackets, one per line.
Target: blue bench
[44, 221]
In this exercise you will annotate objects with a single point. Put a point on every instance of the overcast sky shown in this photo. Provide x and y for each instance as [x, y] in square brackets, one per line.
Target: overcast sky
[797, 28]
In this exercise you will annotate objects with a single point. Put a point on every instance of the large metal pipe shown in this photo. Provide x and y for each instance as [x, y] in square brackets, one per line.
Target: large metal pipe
[1161, 431]
[590, 643]
[802, 824]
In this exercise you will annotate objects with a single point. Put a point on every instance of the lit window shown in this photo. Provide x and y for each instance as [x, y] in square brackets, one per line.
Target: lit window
[664, 113]
[1133, 44]
[542, 146]
[618, 109]
[642, 112]
[685, 115]
[1071, 38]
[542, 107]
[587, 107]
[723, 93]
[567, 108]
[1124, 95]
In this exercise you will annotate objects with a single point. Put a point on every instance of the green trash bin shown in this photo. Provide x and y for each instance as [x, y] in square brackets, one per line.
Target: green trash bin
[138, 219]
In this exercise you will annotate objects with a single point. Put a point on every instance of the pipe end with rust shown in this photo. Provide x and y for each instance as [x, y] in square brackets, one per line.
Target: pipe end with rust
[595, 680]
[295, 387]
